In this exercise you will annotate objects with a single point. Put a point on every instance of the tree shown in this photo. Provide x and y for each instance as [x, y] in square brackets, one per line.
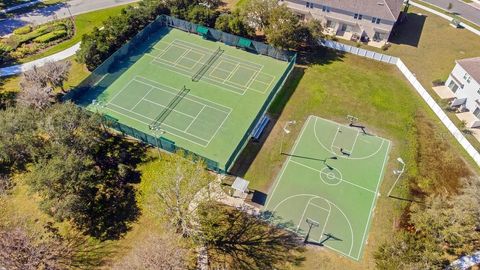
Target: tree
[156, 252]
[177, 187]
[282, 30]
[202, 15]
[257, 12]
[446, 226]
[38, 84]
[237, 240]
[56, 73]
[234, 23]
[18, 137]
[84, 175]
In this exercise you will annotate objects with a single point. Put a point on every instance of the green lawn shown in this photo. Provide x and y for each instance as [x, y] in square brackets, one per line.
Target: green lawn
[84, 23]
[429, 46]
[333, 86]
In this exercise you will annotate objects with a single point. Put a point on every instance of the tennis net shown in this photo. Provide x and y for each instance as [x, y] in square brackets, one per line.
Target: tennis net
[199, 74]
[173, 103]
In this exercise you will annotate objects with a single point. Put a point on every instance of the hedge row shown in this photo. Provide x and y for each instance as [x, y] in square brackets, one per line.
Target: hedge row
[51, 36]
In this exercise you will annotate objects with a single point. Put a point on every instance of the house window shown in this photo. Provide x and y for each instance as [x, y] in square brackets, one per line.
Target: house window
[357, 16]
[378, 21]
[330, 24]
[453, 86]
[467, 77]
[477, 112]
[325, 9]
[374, 19]
[478, 91]
[309, 5]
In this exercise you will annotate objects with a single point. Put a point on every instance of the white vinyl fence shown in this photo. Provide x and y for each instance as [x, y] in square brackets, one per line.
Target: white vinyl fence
[416, 84]
[358, 51]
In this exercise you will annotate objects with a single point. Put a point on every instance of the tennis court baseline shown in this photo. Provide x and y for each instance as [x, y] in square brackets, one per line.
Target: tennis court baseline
[194, 119]
[228, 72]
[329, 184]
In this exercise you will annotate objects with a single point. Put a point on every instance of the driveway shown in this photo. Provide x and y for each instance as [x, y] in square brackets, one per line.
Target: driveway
[57, 12]
[470, 12]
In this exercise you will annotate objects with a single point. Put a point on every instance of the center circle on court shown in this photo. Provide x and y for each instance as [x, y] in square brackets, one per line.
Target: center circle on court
[331, 176]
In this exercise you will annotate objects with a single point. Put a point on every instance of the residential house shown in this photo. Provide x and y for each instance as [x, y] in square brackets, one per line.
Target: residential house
[464, 82]
[370, 21]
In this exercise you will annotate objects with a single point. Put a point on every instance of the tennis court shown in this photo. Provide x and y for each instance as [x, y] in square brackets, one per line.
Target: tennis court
[329, 184]
[196, 94]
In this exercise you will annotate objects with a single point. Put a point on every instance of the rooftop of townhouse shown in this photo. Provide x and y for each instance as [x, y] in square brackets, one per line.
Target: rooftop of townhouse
[471, 66]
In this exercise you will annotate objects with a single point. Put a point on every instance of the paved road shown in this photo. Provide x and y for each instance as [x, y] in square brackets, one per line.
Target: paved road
[470, 12]
[56, 12]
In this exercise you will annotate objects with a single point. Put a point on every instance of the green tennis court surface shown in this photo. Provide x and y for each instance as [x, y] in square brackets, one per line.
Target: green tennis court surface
[335, 191]
[200, 94]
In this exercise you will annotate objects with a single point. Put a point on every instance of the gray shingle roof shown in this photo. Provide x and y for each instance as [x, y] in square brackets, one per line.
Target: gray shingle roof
[471, 66]
[383, 9]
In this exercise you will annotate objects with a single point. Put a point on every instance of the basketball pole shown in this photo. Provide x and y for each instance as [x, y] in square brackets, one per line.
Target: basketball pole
[310, 226]
[286, 131]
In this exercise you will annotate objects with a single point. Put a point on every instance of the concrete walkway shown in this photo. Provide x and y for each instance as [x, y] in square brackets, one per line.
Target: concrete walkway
[13, 70]
[59, 11]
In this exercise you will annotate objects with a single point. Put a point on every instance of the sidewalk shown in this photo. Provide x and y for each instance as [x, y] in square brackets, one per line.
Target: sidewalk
[13, 70]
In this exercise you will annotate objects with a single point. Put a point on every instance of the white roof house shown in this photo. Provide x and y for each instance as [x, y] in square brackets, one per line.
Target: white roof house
[370, 20]
[464, 82]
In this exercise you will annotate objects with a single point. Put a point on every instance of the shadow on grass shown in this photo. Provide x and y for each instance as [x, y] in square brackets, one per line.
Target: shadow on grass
[110, 216]
[409, 31]
[319, 56]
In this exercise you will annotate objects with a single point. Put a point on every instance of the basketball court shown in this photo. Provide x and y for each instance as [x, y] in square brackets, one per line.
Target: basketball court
[329, 184]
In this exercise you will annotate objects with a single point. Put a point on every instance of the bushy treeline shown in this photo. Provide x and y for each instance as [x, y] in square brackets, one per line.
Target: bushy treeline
[81, 173]
[281, 27]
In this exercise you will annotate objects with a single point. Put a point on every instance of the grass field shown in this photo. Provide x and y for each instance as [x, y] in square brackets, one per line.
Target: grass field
[331, 86]
[331, 178]
[208, 116]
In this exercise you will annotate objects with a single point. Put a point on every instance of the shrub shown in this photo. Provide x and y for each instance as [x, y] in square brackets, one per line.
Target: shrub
[386, 46]
[5, 47]
[51, 36]
[438, 82]
[23, 30]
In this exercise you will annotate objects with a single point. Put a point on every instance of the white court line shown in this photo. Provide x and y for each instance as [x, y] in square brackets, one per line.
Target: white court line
[343, 180]
[136, 104]
[330, 150]
[153, 120]
[252, 79]
[330, 203]
[198, 102]
[284, 167]
[354, 142]
[209, 76]
[163, 106]
[231, 73]
[181, 56]
[303, 214]
[121, 90]
[226, 116]
[318, 206]
[375, 198]
[206, 105]
[195, 119]
[203, 49]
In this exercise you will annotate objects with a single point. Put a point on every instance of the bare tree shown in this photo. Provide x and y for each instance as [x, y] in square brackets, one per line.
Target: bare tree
[177, 187]
[35, 96]
[38, 84]
[155, 252]
[56, 73]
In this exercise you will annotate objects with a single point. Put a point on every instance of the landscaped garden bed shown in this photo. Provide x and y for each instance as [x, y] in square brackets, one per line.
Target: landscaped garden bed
[29, 40]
